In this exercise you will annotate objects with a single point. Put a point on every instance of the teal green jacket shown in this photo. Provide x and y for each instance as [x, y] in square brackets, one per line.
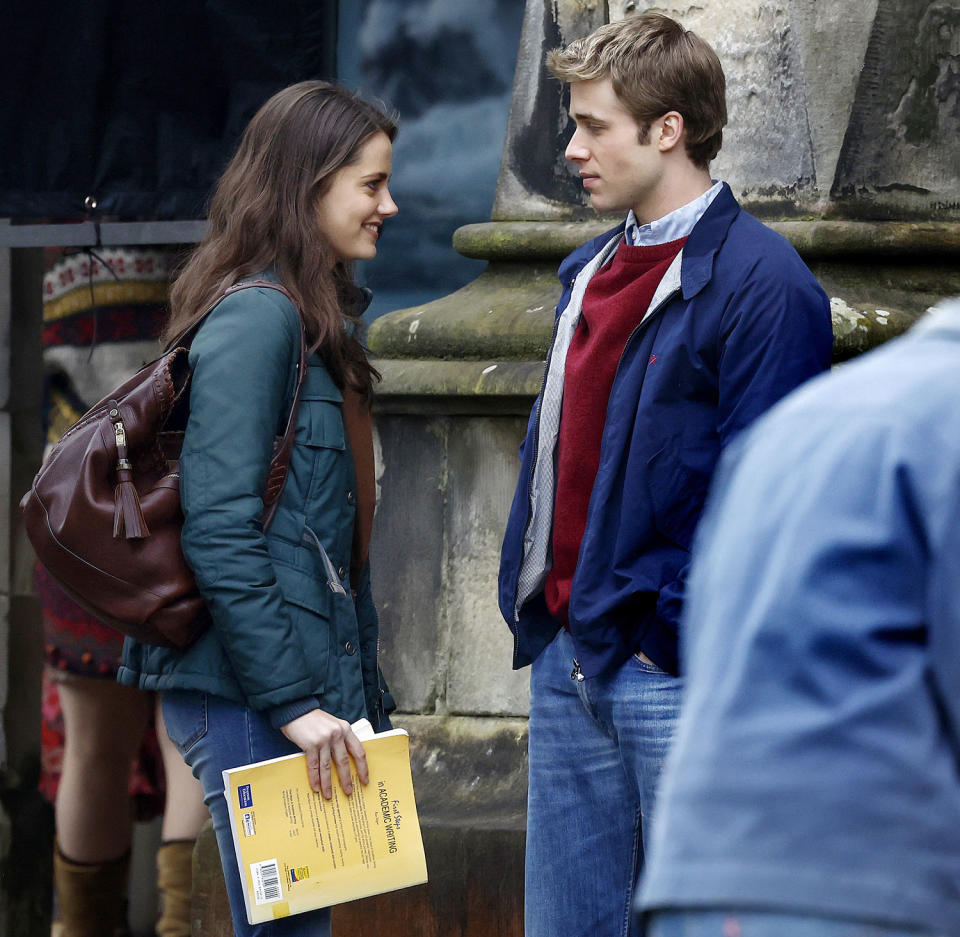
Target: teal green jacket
[287, 634]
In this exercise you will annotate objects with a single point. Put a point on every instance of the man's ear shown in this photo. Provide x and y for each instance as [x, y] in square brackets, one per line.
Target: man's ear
[671, 131]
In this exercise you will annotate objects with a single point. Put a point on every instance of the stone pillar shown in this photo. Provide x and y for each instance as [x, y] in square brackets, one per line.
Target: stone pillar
[842, 136]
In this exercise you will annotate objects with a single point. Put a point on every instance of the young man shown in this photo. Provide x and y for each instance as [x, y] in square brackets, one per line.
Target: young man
[674, 331]
[813, 785]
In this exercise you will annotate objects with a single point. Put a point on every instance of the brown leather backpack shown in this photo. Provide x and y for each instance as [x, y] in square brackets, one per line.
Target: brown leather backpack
[103, 513]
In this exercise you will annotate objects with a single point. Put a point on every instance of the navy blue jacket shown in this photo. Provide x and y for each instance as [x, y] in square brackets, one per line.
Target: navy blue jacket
[746, 324]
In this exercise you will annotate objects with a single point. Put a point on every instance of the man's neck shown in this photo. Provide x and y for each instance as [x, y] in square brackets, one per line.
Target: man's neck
[683, 184]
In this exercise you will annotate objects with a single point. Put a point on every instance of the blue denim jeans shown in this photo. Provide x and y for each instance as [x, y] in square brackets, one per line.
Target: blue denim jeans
[596, 750]
[733, 923]
[212, 734]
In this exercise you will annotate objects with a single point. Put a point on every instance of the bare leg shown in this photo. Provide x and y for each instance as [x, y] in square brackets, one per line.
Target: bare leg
[103, 726]
[185, 811]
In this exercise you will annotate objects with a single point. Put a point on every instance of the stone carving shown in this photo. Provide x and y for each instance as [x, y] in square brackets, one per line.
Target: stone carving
[836, 109]
[534, 179]
[901, 153]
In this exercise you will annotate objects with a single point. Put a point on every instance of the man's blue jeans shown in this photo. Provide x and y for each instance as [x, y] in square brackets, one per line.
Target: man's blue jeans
[212, 734]
[732, 923]
[596, 750]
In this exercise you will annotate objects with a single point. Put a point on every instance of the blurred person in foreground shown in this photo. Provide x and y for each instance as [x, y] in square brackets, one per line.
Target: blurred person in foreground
[814, 783]
[675, 330]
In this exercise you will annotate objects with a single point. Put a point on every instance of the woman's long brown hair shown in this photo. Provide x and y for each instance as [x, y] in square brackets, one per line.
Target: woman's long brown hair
[263, 215]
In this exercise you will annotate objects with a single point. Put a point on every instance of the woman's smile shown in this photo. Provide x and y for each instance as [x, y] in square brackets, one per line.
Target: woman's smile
[354, 206]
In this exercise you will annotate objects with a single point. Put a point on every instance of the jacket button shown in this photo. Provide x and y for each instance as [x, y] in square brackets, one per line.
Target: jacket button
[351, 498]
[349, 648]
[342, 571]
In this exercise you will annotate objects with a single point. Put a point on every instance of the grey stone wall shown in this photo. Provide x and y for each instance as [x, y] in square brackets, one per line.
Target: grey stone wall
[446, 481]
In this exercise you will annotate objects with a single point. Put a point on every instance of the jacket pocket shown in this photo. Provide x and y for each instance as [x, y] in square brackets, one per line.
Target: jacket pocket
[677, 494]
[309, 609]
[318, 385]
[303, 589]
[185, 717]
[321, 417]
[323, 427]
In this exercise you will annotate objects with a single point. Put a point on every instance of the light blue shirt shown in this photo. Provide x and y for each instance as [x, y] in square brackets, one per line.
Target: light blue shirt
[678, 224]
[814, 768]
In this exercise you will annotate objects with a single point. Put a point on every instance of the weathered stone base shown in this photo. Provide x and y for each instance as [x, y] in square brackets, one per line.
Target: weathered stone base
[475, 890]
[470, 779]
[211, 910]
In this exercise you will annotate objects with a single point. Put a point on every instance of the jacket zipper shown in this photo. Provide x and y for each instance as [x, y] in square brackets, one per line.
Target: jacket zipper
[335, 584]
[333, 580]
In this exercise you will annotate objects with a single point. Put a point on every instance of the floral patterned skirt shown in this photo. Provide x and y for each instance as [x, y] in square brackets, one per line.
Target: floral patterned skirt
[102, 313]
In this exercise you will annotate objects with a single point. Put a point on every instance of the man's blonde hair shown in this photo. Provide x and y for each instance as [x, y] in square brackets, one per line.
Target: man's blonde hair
[655, 66]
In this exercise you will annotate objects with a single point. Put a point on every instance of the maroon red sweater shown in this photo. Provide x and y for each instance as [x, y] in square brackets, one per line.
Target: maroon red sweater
[614, 304]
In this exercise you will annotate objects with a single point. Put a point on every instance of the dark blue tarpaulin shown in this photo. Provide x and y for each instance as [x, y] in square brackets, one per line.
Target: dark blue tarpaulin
[137, 106]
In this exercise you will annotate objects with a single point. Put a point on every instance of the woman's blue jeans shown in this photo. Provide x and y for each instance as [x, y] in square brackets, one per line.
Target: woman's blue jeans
[212, 734]
[596, 750]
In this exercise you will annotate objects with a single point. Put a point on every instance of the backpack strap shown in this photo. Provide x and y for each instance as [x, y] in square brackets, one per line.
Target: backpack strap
[283, 449]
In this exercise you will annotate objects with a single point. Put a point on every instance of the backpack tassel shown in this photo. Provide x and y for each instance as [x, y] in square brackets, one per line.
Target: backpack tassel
[127, 514]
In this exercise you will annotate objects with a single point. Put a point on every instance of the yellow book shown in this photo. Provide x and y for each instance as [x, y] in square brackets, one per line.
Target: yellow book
[298, 851]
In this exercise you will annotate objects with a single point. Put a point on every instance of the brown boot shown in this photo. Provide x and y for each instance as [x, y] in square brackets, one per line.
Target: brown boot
[92, 896]
[174, 884]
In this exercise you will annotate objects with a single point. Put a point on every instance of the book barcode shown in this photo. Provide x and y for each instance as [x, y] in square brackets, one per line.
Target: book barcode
[266, 881]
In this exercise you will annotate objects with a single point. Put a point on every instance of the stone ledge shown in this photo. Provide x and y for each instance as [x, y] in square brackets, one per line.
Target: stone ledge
[502, 314]
[880, 277]
[553, 240]
[470, 388]
[859, 328]
[430, 386]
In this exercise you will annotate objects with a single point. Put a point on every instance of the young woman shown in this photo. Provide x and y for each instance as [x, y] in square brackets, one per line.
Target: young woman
[290, 660]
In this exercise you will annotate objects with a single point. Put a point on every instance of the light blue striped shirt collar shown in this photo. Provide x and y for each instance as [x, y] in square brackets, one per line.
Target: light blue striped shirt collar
[678, 224]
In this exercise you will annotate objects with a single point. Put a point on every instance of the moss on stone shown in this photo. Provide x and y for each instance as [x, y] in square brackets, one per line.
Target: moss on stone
[858, 328]
[553, 240]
